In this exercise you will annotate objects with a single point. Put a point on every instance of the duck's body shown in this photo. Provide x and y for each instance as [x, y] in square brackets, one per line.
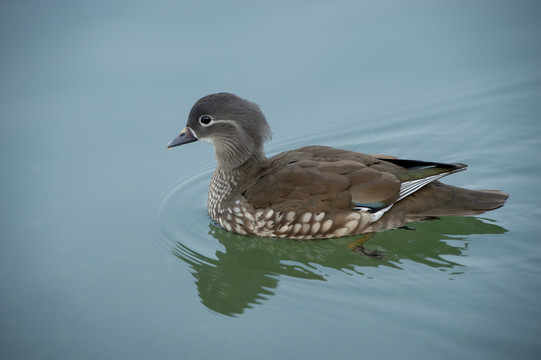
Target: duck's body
[315, 191]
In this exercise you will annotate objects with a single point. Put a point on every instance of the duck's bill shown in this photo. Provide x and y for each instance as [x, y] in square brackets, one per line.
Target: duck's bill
[186, 136]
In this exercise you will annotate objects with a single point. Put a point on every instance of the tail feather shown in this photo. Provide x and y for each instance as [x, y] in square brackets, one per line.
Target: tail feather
[438, 199]
[459, 201]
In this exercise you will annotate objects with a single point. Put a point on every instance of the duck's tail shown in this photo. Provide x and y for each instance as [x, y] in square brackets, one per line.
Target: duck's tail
[438, 199]
[450, 200]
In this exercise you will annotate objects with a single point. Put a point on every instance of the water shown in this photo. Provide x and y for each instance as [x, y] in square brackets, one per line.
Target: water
[107, 251]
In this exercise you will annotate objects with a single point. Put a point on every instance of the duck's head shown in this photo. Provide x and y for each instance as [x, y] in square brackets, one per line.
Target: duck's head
[236, 127]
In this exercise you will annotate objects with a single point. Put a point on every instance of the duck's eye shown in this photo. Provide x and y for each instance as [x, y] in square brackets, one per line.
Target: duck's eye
[205, 120]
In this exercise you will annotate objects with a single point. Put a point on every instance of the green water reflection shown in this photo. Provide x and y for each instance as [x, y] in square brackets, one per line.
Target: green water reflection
[248, 269]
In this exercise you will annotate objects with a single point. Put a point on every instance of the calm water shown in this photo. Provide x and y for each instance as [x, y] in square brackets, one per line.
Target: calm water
[107, 251]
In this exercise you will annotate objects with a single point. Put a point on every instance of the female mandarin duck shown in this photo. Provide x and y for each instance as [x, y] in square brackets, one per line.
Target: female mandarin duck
[315, 191]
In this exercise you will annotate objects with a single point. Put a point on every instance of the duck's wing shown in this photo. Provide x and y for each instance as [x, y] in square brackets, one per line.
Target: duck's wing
[312, 182]
[319, 178]
[417, 174]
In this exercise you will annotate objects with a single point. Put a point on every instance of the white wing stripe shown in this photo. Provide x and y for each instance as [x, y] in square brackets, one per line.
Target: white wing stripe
[409, 187]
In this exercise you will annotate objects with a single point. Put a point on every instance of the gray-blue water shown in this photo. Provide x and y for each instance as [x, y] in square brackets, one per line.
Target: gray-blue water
[106, 249]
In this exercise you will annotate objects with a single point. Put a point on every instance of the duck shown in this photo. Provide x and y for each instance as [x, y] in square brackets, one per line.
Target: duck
[315, 192]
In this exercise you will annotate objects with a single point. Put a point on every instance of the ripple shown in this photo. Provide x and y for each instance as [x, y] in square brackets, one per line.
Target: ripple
[177, 207]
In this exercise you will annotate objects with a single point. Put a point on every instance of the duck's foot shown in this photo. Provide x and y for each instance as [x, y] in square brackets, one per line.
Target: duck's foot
[372, 254]
[406, 228]
[358, 248]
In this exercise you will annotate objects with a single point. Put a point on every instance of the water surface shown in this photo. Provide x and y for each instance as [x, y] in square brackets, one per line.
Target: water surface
[107, 250]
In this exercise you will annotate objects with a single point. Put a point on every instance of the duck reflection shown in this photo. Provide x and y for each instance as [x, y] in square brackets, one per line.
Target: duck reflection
[248, 269]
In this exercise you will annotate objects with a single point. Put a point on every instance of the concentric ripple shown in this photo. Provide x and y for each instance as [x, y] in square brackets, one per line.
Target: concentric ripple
[178, 213]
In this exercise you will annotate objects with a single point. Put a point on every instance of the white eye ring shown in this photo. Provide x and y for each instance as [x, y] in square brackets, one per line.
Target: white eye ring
[206, 120]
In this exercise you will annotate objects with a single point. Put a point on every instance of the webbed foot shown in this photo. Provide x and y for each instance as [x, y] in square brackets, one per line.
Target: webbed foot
[358, 248]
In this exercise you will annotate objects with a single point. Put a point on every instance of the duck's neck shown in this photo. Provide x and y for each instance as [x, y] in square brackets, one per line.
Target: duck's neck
[241, 163]
[244, 152]
[227, 184]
